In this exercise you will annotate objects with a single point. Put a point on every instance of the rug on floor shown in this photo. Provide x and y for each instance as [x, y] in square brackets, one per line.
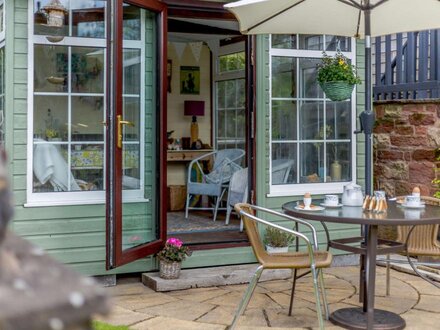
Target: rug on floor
[198, 222]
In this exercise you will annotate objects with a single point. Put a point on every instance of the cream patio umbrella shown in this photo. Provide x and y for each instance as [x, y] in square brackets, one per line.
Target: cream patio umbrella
[350, 18]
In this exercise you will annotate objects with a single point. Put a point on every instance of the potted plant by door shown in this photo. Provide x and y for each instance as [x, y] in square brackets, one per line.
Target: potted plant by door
[337, 77]
[277, 241]
[171, 257]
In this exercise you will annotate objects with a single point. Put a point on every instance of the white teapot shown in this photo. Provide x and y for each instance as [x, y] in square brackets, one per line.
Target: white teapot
[352, 195]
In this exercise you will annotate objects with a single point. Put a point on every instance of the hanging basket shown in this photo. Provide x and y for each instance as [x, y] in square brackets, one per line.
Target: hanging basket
[169, 270]
[337, 90]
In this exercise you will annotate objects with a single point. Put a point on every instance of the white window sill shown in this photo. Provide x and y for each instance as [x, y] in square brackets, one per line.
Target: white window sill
[79, 202]
[301, 189]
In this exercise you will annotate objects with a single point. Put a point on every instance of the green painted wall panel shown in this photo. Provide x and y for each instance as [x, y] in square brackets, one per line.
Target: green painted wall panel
[59, 226]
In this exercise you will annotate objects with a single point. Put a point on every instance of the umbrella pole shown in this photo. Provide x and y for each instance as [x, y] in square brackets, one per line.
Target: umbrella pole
[367, 119]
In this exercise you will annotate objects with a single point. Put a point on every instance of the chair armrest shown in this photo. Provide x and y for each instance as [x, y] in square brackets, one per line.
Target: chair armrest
[285, 216]
[196, 161]
[310, 248]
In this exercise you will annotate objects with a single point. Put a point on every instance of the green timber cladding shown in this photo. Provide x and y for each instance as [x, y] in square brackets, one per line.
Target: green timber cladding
[75, 234]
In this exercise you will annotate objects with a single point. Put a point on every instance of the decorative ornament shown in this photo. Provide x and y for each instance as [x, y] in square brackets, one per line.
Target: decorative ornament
[55, 13]
[180, 48]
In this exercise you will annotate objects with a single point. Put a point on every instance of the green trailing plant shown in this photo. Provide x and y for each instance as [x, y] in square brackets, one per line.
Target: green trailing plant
[276, 238]
[436, 181]
[337, 68]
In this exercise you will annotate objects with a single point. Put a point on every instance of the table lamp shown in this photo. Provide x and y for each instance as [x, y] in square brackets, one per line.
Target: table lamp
[194, 109]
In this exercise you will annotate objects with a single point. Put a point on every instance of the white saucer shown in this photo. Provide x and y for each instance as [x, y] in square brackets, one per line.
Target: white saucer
[315, 209]
[421, 206]
[331, 206]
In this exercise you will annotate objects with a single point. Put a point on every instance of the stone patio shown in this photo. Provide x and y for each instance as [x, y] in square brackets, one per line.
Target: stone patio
[139, 307]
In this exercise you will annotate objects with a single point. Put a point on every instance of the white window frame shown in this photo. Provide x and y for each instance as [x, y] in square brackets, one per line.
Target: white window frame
[40, 199]
[3, 33]
[231, 75]
[297, 189]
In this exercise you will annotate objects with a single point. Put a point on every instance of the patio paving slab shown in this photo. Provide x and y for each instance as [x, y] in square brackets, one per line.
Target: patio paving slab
[213, 308]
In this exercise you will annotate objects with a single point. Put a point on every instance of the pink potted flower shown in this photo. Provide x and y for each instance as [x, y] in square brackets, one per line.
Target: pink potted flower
[171, 257]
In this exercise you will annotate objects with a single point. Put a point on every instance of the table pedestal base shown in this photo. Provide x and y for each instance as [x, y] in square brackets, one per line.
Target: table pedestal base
[355, 319]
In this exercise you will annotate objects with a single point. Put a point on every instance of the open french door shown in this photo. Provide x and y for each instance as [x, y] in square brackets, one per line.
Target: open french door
[135, 130]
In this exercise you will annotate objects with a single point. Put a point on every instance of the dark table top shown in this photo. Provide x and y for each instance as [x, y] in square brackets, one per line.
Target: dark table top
[395, 215]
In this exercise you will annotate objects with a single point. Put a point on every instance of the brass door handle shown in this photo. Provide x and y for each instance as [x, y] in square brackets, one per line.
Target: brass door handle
[119, 124]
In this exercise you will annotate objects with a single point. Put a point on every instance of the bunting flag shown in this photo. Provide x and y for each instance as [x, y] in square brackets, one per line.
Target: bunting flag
[180, 48]
[196, 48]
[214, 46]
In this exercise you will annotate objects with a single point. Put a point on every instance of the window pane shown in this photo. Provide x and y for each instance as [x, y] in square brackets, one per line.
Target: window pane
[87, 166]
[51, 68]
[309, 87]
[221, 126]
[131, 167]
[231, 101]
[338, 161]
[312, 120]
[87, 70]
[51, 170]
[51, 118]
[87, 118]
[132, 23]
[51, 20]
[2, 16]
[311, 159]
[332, 43]
[338, 120]
[221, 94]
[284, 41]
[283, 77]
[232, 62]
[88, 18]
[284, 120]
[2, 96]
[131, 113]
[283, 163]
[311, 42]
[132, 71]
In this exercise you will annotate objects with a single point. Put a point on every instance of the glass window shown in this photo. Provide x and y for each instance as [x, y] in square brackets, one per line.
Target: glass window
[231, 101]
[2, 95]
[69, 96]
[311, 136]
[72, 18]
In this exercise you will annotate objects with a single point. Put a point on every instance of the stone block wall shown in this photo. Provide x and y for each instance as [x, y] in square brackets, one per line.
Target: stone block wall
[407, 134]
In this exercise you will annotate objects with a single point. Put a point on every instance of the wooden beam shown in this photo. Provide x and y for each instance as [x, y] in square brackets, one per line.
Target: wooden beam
[189, 27]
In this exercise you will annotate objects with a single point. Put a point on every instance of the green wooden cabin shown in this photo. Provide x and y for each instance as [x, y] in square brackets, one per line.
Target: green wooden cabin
[93, 199]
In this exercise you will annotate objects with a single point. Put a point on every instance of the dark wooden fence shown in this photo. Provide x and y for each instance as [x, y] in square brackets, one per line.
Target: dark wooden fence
[407, 66]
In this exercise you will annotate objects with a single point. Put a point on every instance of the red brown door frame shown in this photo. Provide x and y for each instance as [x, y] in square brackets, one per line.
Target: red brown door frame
[115, 254]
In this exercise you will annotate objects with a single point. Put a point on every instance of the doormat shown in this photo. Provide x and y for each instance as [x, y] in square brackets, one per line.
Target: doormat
[199, 222]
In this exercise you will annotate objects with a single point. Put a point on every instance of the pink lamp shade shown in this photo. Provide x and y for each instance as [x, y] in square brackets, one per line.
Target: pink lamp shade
[194, 108]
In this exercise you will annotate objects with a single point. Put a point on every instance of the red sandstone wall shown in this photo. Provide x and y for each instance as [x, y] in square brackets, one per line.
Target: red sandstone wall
[406, 136]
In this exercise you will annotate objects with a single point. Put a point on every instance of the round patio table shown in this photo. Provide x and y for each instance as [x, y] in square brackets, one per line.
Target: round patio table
[367, 317]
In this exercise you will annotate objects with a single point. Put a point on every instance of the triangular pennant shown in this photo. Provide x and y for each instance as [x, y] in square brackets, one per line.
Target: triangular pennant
[214, 45]
[196, 48]
[180, 48]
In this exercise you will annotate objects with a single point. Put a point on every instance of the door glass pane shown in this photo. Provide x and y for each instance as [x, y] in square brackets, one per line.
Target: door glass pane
[139, 161]
[2, 96]
[51, 18]
[87, 65]
[51, 68]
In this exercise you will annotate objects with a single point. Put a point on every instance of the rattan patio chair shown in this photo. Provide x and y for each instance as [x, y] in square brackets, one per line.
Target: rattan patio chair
[312, 258]
[421, 241]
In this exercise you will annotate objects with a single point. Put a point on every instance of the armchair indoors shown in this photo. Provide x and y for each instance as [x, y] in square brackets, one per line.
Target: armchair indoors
[238, 192]
[216, 182]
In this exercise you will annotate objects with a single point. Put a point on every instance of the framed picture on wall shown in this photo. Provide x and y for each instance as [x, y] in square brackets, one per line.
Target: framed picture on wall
[189, 80]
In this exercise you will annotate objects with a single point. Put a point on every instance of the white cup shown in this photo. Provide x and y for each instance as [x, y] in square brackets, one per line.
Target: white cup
[412, 200]
[331, 200]
[307, 202]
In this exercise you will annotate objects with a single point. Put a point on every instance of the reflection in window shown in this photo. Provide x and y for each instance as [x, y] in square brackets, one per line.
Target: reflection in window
[2, 96]
[311, 139]
[74, 18]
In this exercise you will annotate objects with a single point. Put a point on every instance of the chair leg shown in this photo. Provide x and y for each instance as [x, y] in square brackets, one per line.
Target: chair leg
[217, 203]
[228, 214]
[247, 296]
[388, 276]
[323, 293]
[317, 298]
[295, 272]
[187, 206]
[241, 225]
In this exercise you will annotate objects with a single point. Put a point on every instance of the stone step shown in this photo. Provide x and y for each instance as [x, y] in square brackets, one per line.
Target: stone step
[212, 276]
